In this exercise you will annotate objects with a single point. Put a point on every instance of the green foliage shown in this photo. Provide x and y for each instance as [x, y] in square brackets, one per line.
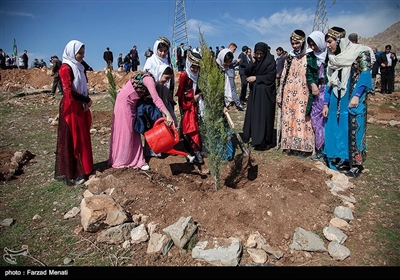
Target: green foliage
[112, 90]
[192, 242]
[214, 129]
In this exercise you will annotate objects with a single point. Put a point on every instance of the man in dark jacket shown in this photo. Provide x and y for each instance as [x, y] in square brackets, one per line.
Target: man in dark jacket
[54, 72]
[244, 61]
[181, 57]
[375, 69]
[108, 58]
[280, 62]
[134, 58]
[388, 60]
[25, 59]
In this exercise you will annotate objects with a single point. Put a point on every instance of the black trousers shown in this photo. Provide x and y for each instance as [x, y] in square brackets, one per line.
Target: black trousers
[387, 79]
[134, 66]
[243, 89]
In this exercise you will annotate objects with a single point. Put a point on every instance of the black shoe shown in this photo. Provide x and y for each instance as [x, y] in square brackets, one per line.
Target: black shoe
[269, 146]
[199, 158]
[354, 172]
[317, 156]
[343, 166]
[79, 181]
[303, 154]
[260, 147]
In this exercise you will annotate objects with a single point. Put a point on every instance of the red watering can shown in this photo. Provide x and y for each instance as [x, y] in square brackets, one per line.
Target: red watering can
[162, 139]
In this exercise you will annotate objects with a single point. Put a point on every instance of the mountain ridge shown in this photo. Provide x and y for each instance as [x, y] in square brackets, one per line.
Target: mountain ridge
[390, 36]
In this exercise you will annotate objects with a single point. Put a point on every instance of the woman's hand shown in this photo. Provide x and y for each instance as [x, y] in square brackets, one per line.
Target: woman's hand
[251, 79]
[354, 102]
[169, 120]
[314, 89]
[325, 111]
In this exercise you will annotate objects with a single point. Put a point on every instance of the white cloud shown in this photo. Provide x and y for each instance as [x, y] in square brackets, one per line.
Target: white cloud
[208, 29]
[20, 14]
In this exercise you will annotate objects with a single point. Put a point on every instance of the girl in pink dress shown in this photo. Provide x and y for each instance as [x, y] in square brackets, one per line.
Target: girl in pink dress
[126, 148]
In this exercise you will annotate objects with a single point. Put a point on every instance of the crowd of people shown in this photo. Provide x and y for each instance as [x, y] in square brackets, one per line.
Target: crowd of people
[18, 62]
[316, 94]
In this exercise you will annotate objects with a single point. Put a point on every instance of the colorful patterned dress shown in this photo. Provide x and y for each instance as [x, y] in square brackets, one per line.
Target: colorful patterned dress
[296, 130]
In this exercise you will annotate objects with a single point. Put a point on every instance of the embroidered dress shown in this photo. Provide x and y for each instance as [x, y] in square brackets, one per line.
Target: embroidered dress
[296, 129]
[345, 128]
[317, 120]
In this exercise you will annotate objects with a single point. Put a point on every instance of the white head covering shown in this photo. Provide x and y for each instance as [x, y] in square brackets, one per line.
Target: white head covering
[221, 56]
[79, 83]
[348, 54]
[153, 61]
[193, 76]
[319, 39]
[159, 70]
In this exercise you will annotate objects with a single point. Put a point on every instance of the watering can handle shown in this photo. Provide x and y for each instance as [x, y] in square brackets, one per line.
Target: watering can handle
[172, 126]
[160, 120]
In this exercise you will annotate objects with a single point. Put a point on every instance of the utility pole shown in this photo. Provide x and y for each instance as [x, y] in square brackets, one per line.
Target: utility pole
[179, 34]
[321, 17]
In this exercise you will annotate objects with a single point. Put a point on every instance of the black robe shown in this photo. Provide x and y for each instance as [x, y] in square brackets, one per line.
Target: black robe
[260, 114]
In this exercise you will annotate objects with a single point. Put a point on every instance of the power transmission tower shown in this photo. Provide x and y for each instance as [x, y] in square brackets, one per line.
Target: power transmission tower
[321, 18]
[179, 33]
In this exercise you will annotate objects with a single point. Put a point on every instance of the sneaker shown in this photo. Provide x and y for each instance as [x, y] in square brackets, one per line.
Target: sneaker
[145, 167]
[354, 172]
[190, 158]
[79, 181]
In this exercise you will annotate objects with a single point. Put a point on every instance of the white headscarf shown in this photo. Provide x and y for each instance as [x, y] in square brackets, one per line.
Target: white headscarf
[221, 56]
[159, 70]
[220, 62]
[319, 39]
[193, 76]
[153, 61]
[79, 83]
[348, 54]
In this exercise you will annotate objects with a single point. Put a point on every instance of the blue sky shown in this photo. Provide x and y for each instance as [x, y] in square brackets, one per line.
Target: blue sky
[43, 27]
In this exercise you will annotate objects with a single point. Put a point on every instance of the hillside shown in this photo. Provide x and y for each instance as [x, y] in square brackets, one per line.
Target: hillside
[390, 36]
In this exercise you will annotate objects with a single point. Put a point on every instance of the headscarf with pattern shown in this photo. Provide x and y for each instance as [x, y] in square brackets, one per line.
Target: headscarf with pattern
[192, 59]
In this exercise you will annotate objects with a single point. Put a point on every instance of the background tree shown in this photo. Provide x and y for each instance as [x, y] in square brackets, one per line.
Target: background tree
[214, 128]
